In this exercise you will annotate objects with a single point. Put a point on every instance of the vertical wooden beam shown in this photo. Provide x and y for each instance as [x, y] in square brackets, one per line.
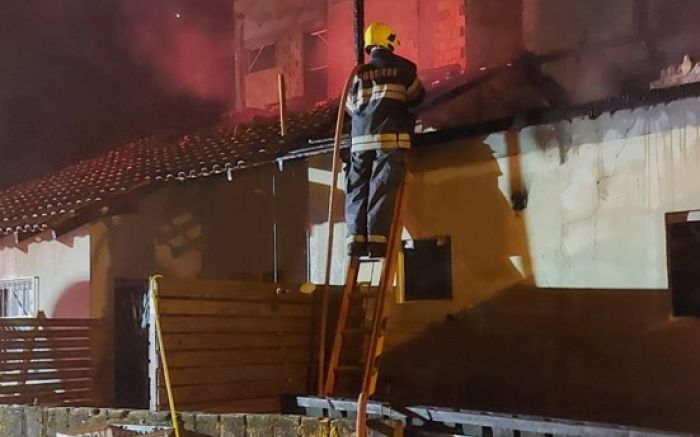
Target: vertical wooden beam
[153, 292]
[153, 360]
[282, 97]
[26, 359]
[238, 61]
[359, 32]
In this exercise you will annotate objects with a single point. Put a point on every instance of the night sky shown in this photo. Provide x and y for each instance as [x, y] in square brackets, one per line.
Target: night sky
[78, 77]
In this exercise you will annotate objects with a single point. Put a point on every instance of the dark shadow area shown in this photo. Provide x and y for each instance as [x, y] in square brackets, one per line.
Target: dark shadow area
[500, 344]
[131, 325]
[611, 356]
[455, 193]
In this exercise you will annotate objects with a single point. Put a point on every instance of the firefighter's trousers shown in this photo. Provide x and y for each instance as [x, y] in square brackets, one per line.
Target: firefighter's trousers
[372, 182]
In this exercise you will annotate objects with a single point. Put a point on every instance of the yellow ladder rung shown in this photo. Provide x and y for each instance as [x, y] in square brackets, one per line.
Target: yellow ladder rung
[373, 381]
[380, 346]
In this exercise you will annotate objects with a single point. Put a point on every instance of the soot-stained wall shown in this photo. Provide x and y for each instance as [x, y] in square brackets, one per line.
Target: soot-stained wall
[203, 229]
[562, 309]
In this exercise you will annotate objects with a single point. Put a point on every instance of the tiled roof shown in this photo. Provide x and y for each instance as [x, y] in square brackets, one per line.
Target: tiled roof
[100, 186]
[64, 199]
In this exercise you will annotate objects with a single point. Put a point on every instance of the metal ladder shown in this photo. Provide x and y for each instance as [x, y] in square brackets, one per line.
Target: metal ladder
[376, 330]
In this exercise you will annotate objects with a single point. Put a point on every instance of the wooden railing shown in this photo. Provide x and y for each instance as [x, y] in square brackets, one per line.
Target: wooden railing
[47, 361]
[231, 346]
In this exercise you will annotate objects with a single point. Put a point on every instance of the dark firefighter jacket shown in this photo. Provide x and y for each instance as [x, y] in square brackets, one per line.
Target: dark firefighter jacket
[379, 100]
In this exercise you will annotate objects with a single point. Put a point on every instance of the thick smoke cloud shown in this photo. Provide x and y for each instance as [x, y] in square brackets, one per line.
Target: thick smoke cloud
[79, 77]
[188, 43]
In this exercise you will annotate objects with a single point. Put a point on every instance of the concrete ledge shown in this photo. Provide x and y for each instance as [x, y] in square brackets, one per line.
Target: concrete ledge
[46, 422]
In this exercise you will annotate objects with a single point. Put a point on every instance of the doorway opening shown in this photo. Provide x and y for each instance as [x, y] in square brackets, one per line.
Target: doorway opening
[131, 383]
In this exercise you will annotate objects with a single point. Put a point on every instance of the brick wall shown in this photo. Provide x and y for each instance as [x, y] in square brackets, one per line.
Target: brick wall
[432, 33]
[261, 86]
[449, 34]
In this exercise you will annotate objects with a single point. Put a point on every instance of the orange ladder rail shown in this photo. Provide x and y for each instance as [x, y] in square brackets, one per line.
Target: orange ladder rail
[339, 129]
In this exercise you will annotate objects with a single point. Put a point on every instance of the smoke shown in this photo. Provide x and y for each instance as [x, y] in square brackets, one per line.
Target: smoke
[81, 77]
[189, 44]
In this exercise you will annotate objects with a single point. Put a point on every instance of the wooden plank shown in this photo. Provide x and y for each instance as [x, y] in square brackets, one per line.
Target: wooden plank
[48, 375]
[48, 323]
[235, 391]
[227, 308]
[46, 361]
[184, 324]
[68, 398]
[66, 353]
[40, 397]
[236, 358]
[55, 364]
[46, 333]
[209, 375]
[234, 340]
[6, 390]
[44, 343]
[27, 353]
[237, 290]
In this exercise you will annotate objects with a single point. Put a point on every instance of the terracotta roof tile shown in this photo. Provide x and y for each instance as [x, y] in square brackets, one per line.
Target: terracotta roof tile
[41, 204]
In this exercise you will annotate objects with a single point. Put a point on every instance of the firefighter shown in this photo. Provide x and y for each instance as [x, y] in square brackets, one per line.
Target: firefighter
[378, 103]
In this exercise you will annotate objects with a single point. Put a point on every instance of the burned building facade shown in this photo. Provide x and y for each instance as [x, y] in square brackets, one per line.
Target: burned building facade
[553, 232]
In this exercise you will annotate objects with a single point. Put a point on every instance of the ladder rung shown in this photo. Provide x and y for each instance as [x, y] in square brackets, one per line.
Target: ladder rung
[356, 295]
[349, 369]
[370, 260]
[357, 331]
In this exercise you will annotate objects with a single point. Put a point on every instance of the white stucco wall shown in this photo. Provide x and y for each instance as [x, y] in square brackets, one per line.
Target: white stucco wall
[63, 268]
[599, 190]
[598, 193]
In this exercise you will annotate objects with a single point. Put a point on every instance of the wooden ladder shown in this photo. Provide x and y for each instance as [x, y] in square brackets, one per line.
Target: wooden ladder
[373, 331]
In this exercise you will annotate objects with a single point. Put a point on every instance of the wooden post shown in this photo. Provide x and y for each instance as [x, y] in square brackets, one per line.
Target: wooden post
[27, 353]
[153, 291]
[359, 32]
[282, 92]
[153, 358]
[239, 61]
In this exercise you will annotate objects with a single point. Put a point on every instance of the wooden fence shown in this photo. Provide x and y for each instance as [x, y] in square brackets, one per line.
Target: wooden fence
[231, 346]
[47, 361]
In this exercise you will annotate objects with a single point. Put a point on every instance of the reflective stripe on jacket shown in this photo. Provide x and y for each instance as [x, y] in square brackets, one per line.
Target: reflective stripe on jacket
[379, 100]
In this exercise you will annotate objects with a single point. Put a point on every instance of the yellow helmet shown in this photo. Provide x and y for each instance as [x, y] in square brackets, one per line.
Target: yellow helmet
[380, 35]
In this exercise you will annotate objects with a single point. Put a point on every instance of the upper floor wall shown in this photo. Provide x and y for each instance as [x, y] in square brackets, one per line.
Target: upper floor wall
[593, 49]
[311, 42]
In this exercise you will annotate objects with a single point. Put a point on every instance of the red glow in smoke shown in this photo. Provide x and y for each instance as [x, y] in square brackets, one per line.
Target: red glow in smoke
[183, 51]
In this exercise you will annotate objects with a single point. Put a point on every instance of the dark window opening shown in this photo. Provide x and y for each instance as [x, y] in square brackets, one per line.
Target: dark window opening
[316, 66]
[683, 254]
[263, 58]
[427, 269]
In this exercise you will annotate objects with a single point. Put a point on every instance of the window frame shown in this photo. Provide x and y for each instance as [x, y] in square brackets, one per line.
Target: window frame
[401, 273]
[254, 56]
[35, 296]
